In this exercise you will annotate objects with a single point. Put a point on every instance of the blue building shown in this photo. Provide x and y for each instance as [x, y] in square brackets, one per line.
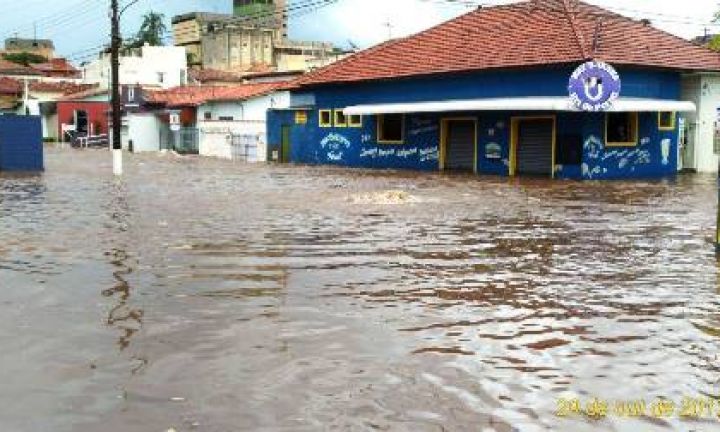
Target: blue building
[488, 92]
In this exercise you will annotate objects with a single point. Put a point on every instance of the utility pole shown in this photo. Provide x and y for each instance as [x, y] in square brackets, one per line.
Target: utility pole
[115, 84]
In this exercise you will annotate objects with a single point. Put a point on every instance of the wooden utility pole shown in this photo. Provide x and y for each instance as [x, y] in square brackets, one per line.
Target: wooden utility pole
[115, 85]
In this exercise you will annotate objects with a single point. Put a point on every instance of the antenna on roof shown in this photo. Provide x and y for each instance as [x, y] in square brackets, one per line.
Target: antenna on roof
[389, 26]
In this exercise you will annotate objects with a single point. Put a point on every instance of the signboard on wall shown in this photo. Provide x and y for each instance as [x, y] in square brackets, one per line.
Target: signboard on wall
[594, 86]
[174, 120]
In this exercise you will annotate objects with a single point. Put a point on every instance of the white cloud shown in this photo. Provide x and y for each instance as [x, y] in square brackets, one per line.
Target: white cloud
[363, 21]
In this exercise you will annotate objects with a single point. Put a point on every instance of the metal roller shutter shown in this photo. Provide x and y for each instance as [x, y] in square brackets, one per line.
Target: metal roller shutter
[460, 145]
[534, 152]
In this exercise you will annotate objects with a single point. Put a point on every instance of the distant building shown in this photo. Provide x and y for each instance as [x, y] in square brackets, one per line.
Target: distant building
[245, 42]
[264, 13]
[153, 66]
[704, 39]
[42, 47]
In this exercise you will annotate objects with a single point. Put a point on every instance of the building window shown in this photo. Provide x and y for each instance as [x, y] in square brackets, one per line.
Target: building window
[340, 119]
[131, 94]
[208, 115]
[666, 120]
[301, 117]
[621, 129]
[355, 120]
[161, 77]
[325, 119]
[391, 128]
[226, 118]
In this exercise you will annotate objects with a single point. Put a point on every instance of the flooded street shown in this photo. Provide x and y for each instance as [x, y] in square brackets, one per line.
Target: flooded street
[203, 295]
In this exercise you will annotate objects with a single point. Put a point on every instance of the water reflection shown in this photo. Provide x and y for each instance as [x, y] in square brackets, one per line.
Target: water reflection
[249, 297]
[123, 316]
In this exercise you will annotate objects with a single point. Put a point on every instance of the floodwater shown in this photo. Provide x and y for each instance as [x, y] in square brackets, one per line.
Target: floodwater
[203, 295]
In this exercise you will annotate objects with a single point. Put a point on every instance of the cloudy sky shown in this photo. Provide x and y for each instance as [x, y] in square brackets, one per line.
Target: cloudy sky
[80, 26]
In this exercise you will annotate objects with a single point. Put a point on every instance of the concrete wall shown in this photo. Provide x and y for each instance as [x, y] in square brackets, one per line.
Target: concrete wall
[216, 137]
[144, 131]
[238, 49]
[249, 110]
[50, 126]
[144, 69]
[704, 90]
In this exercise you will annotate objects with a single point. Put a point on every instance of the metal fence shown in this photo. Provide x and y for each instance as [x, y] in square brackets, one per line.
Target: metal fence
[244, 148]
[184, 141]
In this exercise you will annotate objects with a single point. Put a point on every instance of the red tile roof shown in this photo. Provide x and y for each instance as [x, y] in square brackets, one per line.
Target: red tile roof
[10, 68]
[531, 33]
[63, 87]
[9, 86]
[79, 96]
[57, 67]
[197, 95]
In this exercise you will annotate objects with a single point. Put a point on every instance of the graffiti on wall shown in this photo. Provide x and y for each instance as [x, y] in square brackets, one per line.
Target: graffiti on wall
[423, 154]
[422, 125]
[335, 146]
[599, 160]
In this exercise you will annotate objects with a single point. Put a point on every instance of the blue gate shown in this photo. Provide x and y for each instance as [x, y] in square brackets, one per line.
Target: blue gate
[21, 145]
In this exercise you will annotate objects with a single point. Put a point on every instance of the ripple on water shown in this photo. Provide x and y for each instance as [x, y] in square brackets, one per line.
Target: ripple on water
[297, 298]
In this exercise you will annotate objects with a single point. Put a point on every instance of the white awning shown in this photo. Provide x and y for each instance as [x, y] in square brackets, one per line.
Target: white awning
[517, 104]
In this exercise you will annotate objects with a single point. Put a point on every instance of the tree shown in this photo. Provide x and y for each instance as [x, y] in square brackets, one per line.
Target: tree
[714, 43]
[24, 58]
[152, 30]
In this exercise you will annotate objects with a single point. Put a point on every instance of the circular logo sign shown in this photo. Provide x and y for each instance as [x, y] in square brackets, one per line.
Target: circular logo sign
[594, 86]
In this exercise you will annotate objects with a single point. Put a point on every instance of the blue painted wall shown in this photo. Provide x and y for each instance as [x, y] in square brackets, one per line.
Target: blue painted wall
[21, 146]
[358, 147]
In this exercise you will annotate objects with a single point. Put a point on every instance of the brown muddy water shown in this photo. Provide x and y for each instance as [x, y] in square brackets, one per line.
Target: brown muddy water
[203, 295]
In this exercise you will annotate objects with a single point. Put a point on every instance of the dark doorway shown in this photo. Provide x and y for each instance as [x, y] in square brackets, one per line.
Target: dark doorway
[81, 122]
[460, 141]
[534, 151]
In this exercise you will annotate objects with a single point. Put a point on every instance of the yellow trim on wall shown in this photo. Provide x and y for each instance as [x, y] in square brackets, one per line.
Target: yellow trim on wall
[356, 124]
[514, 136]
[444, 135]
[634, 143]
[672, 125]
[321, 123]
[338, 121]
[379, 129]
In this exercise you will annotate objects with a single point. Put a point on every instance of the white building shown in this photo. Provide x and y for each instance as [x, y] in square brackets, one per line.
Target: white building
[700, 151]
[232, 125]
[152, 66]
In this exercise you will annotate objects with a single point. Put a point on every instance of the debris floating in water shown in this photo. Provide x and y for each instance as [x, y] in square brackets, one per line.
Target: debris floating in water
[389, 197]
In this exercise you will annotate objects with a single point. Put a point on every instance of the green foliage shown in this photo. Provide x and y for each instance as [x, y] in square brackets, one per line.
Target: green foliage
[714, 43]
[151, 32]
[24, 58]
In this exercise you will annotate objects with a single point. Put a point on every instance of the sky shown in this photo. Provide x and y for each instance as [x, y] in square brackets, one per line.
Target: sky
[80, 27]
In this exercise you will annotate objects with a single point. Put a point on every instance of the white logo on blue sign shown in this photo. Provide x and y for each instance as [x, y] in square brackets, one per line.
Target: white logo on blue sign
[594, 86]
